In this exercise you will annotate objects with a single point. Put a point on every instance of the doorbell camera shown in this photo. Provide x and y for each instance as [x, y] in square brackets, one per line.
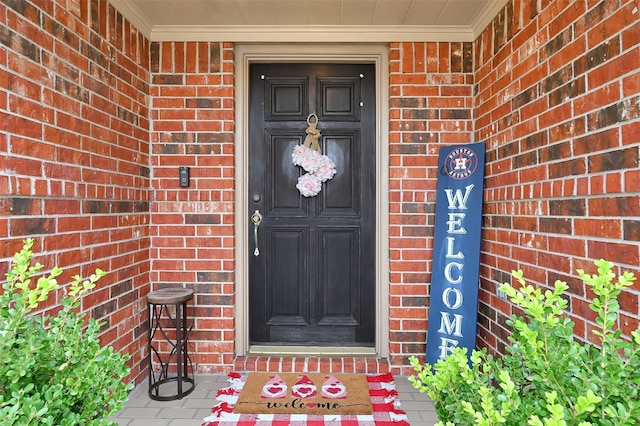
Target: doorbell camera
[184, 176]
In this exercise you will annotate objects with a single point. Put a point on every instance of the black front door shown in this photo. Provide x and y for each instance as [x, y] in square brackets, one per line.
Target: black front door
[312, 277]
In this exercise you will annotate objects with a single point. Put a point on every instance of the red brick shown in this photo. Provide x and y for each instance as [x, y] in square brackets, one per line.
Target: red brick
[624, 254]
[567, 54]
[568, 16]
[614, 68]
[631, 36]
[614, 20]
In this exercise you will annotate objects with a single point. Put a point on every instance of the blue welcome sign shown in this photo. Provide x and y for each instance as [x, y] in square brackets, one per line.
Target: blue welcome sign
[453, 309]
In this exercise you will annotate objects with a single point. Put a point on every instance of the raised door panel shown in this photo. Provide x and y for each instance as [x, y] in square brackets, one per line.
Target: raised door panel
[339, 301]
[286, 98]
[342, 195]
[339, 98]
[282, 197]
[287, 283]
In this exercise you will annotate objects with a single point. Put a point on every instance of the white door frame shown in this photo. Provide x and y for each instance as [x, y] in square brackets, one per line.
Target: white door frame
[376, 54]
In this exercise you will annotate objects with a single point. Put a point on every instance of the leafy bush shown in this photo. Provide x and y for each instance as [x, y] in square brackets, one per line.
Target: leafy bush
[53, 370]
[546, 377]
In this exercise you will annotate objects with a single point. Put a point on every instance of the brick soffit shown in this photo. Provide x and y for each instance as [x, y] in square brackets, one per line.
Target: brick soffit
[310, 33]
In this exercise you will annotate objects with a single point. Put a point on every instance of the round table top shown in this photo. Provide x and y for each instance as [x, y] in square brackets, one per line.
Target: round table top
[167, 296]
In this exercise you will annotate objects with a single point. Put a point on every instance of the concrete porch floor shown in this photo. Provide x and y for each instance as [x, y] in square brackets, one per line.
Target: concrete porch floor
[141, 410]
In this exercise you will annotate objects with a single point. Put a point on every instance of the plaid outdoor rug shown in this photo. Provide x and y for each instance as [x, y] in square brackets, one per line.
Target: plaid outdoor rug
[382, 393]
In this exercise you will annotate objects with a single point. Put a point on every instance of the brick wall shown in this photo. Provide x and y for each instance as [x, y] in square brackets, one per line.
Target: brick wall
[192, 229]
[431, 103]
[557, 100]
[95, 133]
[74, 154]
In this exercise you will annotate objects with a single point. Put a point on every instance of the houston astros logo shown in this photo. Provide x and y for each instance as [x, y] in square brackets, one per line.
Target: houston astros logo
[461, 163]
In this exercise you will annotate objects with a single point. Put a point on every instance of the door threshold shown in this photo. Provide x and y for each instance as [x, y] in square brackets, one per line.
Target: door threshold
[256, 350]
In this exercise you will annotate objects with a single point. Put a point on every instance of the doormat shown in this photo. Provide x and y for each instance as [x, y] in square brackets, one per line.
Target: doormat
[291, 393]
[298, 399]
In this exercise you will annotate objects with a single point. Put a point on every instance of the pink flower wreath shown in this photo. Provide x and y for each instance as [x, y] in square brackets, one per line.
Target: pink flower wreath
[319, 169]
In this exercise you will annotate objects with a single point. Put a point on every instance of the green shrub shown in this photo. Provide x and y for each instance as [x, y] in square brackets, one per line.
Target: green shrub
[546, 377]
[53, 370]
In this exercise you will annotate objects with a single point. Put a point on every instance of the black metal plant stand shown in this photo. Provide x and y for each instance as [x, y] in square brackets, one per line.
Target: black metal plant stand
[162, 322]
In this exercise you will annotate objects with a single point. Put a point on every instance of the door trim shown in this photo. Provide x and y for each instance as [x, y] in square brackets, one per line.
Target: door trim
[245, 54]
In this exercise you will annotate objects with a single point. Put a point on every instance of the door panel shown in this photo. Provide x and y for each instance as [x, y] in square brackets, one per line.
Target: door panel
[339, 276]
[339, 98]
[286, 291]
[313, 282]
[344, 149]
[282, 200]
[286, 98]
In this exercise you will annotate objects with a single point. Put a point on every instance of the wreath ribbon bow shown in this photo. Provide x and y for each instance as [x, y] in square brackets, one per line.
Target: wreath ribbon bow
[313, 134]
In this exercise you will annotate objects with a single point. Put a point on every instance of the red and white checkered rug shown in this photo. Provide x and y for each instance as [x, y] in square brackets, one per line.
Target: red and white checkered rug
[382, 390]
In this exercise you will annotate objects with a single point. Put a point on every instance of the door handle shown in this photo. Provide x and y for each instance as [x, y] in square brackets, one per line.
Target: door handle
[256, 218]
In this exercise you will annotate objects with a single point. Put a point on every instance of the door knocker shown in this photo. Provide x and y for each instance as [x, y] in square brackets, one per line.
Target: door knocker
[318, 166]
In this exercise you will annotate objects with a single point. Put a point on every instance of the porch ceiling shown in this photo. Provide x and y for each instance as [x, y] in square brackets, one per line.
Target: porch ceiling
[310, 20]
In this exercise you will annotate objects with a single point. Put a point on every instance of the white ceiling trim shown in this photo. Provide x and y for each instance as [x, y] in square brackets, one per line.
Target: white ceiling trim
[311, 34]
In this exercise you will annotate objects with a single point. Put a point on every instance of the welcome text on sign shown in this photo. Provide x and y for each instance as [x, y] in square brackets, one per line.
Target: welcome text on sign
[452, 296]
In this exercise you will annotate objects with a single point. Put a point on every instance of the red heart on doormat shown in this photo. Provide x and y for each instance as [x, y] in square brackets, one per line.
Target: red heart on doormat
[274, 388]
[305, 392]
